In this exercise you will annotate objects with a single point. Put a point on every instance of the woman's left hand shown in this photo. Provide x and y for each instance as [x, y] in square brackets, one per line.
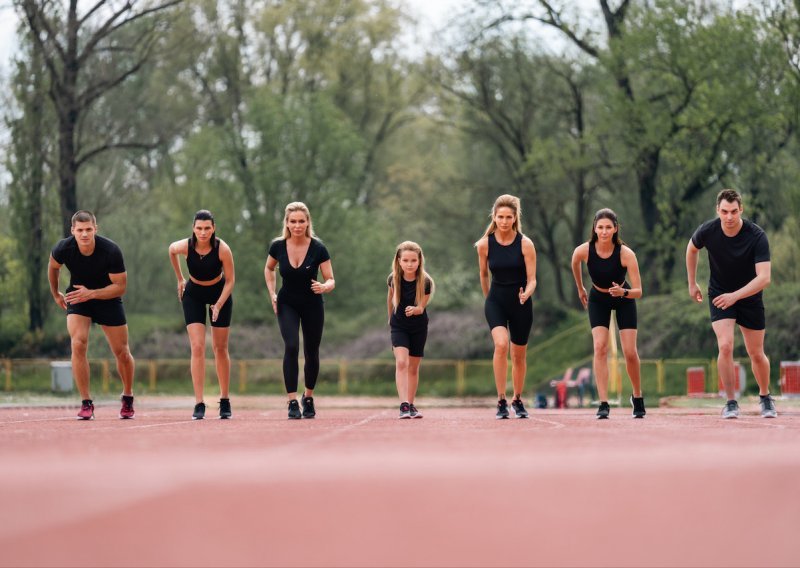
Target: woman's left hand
[616, 290]
[215, 312]
[318, 287]
[413, 311]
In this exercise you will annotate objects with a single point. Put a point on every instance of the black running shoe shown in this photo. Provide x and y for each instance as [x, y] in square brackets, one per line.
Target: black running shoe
[414, 412]
[502, 409]
[199, 411]
[405, 410]
[308, 407]
[519, 408]
[768, 407]
[225, 408]
[603, 410]
[294, 410]
[731, 410]
[638, 407]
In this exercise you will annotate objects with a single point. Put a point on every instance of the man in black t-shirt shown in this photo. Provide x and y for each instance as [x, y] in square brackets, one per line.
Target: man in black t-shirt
[738, 254]
[96, 286]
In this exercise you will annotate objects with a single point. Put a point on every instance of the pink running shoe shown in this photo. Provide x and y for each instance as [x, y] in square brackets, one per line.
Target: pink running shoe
[87, 410]
[126, 412]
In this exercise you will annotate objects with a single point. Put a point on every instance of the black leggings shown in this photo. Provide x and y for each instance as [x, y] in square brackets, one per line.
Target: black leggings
[290, 317]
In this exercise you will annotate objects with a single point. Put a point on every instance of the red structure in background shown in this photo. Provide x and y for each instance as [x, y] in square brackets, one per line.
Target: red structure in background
[790, 378]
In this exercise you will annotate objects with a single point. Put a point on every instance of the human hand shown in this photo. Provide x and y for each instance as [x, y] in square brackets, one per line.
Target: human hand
[60, 300]
[318, 287]
[215, 311]
[725, 301]
[274, 298]
[583, 297]
[413, 311]
[181, 289]
[79, 295]
[695, 293]
[523, 297]
[616, 290]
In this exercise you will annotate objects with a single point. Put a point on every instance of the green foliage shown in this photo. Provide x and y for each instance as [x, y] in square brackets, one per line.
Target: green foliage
[13, 314]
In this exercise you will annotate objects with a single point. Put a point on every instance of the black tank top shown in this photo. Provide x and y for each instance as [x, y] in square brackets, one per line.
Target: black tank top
[605, 271]
[205, 267]
[507, 263]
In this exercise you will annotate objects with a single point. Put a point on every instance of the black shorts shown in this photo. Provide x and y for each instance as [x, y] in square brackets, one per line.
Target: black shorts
[197, 301]
[413, 340]
[748, 314]
[502, 309]
[103, 312]
[601, 304]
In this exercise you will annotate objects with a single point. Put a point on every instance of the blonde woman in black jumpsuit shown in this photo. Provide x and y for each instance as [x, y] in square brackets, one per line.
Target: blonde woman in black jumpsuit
[511, 258]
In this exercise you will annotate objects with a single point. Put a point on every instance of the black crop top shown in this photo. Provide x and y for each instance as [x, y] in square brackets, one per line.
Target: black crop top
[605, 271]
[204, 267]
[507, 263]
[296, 282]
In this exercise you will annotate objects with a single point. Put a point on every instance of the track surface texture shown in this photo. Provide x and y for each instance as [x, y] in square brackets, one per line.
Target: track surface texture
[358, 487]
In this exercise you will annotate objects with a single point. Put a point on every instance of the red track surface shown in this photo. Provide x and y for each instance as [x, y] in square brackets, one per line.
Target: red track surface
[357, 487]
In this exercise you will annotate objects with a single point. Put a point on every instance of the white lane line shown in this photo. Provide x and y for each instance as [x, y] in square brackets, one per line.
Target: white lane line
[4, 422]
[556, 425]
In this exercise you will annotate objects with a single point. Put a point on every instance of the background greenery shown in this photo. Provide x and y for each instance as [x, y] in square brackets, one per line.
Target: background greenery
[240, 106]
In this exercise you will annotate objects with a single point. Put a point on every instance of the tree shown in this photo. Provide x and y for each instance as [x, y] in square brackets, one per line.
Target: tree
[87, 56]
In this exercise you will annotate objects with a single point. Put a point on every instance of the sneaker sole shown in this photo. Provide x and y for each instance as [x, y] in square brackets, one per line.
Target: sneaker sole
[417, 416]
[638, 415]
[602, 417]
[125, 417]
[82, 418]
[198, 417]
[224, 417]
[309, 417]
[404, 417]
[770, 415]
[501, 417]
[730, 417]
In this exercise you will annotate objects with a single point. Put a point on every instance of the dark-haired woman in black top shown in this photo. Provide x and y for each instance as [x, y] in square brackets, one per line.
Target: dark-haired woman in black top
[511, 258]
[300, 256]
[211, 279]
[608, 260]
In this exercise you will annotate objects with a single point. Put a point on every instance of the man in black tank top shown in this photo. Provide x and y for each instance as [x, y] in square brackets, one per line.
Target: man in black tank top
[98, 281]
[738, 253]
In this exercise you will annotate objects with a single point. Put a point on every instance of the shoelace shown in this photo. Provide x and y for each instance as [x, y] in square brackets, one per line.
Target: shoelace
[768, 403]
[731, 405]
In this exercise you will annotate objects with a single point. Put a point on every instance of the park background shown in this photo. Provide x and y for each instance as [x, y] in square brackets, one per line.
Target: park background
[392, 125]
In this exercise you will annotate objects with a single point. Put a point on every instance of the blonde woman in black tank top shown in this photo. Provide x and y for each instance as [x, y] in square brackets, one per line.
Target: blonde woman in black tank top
[211, 279]
[608, 259]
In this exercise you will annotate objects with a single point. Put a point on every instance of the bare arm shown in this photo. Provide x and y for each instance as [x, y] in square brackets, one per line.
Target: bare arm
[628, 260]
[176, 248]
[529, 253]
[53, 272]
[327, 274]
[580, 254]
[483, 265]
[226, 256]
[756, 285]
[389, 306]
[269, 277]
[692, 256]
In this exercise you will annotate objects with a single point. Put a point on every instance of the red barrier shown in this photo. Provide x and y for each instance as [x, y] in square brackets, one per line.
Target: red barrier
[790, 378]
[696, 381]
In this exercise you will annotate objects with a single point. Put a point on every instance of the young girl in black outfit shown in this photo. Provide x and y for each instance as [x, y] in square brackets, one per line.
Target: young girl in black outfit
[608, 259]
[410, 290]
[511, 258]
[210, 284]
[300, 255]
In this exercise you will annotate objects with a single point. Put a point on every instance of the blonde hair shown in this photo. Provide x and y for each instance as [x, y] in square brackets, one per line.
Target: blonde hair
[397, 274]
[294, 207]
[512, 203]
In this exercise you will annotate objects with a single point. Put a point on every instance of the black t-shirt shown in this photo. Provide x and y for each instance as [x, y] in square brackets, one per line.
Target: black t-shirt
[91, 271]
[296, 282]
[408, 297]
[732, 259]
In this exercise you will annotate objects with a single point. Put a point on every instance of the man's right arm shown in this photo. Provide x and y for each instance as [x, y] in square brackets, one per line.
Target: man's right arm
[692, 255]
[53, 272]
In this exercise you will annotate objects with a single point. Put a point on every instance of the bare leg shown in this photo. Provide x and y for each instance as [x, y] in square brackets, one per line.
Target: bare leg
[219, 342]
[600, 364]
[413, 377]
[754, 343]
[401, 372]
[724, 332]
[519, 366]
[117, 336]
[78, 328]
[632, 364]
[500, 360]
[197, 340]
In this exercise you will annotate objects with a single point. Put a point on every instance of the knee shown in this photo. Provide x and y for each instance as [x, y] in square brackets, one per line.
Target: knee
[198, 348]
[632, 356]
[501, 347]
[220, 350]
[518, 357]
[758, 358]
[79, 345]
[601, 350]
[402, 365]
[122, 353]
[726, 348]
[292, 349]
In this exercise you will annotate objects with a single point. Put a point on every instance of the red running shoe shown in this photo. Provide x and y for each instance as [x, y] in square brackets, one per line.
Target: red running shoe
[87, 410]
[126, 412]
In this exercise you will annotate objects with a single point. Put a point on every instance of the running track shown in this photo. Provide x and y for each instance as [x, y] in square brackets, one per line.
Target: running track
[357, 487]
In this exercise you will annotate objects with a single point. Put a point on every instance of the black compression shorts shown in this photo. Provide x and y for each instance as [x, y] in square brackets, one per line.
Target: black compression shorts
[102, 312]
[601, 304]
[197, 301]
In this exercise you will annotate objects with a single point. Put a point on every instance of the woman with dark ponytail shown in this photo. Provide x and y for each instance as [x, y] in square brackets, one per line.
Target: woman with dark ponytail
[211, 279]
[608, 260]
